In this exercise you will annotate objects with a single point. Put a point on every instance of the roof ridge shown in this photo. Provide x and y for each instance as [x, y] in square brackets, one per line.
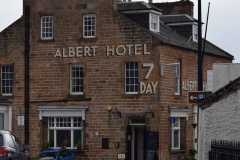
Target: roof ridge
[146, 4]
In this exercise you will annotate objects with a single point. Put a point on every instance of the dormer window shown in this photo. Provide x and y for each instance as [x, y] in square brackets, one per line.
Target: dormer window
[154, 22]
[195, 33]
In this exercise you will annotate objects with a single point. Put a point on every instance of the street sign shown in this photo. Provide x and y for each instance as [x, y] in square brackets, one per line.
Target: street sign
[194, 96]
[171, 120]
[20, 120]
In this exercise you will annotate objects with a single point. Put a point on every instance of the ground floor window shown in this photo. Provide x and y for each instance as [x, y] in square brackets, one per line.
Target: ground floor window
[62, 126]
[64, 131]
[6, 118]
[179, 133]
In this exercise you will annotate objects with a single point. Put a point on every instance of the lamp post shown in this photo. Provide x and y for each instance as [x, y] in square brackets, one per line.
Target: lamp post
[109, 113]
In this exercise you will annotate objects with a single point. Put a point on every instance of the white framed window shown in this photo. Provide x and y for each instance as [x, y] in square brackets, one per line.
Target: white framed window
[154, 22]
[7, 80]
[131, 78]
[46, 27]
[195, 33]
[176, 134]
[177, 77]
[76, 79]
[64, 132]
[89, 25]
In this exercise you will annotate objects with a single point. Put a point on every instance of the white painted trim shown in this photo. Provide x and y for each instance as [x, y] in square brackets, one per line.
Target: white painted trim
[141, 11]
[70, 70]
[46, 38]
[59, 111]
[179, 24]
[157, 18]
[92, 16]
[7, 111]
[193, 32]
[179, 114]
[177, 61]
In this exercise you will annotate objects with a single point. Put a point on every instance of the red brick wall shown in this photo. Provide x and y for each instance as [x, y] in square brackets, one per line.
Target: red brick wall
[188, 72]
[104, 75]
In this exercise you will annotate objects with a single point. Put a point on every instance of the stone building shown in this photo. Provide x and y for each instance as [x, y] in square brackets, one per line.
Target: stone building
[91, 61]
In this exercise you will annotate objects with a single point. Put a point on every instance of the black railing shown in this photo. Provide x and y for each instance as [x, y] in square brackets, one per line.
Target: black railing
[224, 150]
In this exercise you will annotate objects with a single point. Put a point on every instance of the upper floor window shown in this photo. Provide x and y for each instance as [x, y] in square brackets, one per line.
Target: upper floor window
[195, 33]
[177, 77]
[76, 78]
[7, 80]
[131, 78]
[46, 27]
[154, 22]
[89, 25]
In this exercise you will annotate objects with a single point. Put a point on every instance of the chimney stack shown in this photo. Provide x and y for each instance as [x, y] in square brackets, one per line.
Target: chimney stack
[150, 1]
[114, 3]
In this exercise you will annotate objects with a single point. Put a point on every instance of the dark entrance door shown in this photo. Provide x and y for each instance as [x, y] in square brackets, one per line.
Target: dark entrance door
[135, 142]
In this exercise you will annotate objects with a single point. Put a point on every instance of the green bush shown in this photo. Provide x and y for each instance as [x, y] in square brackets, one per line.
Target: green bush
[79, 144]
[46, 143]
[192, 152]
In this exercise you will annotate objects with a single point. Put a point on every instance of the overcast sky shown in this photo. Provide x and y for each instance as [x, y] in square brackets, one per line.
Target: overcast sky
[223, 23]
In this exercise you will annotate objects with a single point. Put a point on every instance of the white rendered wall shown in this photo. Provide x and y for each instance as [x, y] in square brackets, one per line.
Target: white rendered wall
[219, 122]
[223, 73]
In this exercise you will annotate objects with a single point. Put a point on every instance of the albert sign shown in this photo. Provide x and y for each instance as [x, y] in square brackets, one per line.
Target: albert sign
[194, 96]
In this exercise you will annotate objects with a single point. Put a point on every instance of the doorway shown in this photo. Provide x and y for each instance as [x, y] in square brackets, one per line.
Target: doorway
[137, 142]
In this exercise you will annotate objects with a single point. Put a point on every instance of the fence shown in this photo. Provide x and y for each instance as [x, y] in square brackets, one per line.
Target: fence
[224, 150]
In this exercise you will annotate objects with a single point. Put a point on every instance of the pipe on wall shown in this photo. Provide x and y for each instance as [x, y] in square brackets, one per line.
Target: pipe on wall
[26, 91]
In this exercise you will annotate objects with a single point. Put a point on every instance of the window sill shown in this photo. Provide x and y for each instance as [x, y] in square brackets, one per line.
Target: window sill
[80, 97]
[178, 151]
[179, 97]
[82, 39]
[46, 40]
[77, 151]
[131, 96]
[8, 96]
[76, 95]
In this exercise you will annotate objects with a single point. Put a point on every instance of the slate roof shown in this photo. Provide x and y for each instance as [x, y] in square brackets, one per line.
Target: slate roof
[130, 6]
[169, 36]
[4, 101]
[177, 18]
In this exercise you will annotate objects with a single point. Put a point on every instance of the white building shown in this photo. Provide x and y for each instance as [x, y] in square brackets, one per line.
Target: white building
[219, 113]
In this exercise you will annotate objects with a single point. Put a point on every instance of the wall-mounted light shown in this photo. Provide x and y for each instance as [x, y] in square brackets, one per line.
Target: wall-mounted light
[116, 114]
[109, 107]
[194, 125]
[116, 144]
[149, 113]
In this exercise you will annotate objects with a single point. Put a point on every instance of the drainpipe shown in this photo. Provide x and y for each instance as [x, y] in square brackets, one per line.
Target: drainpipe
[26, 93]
